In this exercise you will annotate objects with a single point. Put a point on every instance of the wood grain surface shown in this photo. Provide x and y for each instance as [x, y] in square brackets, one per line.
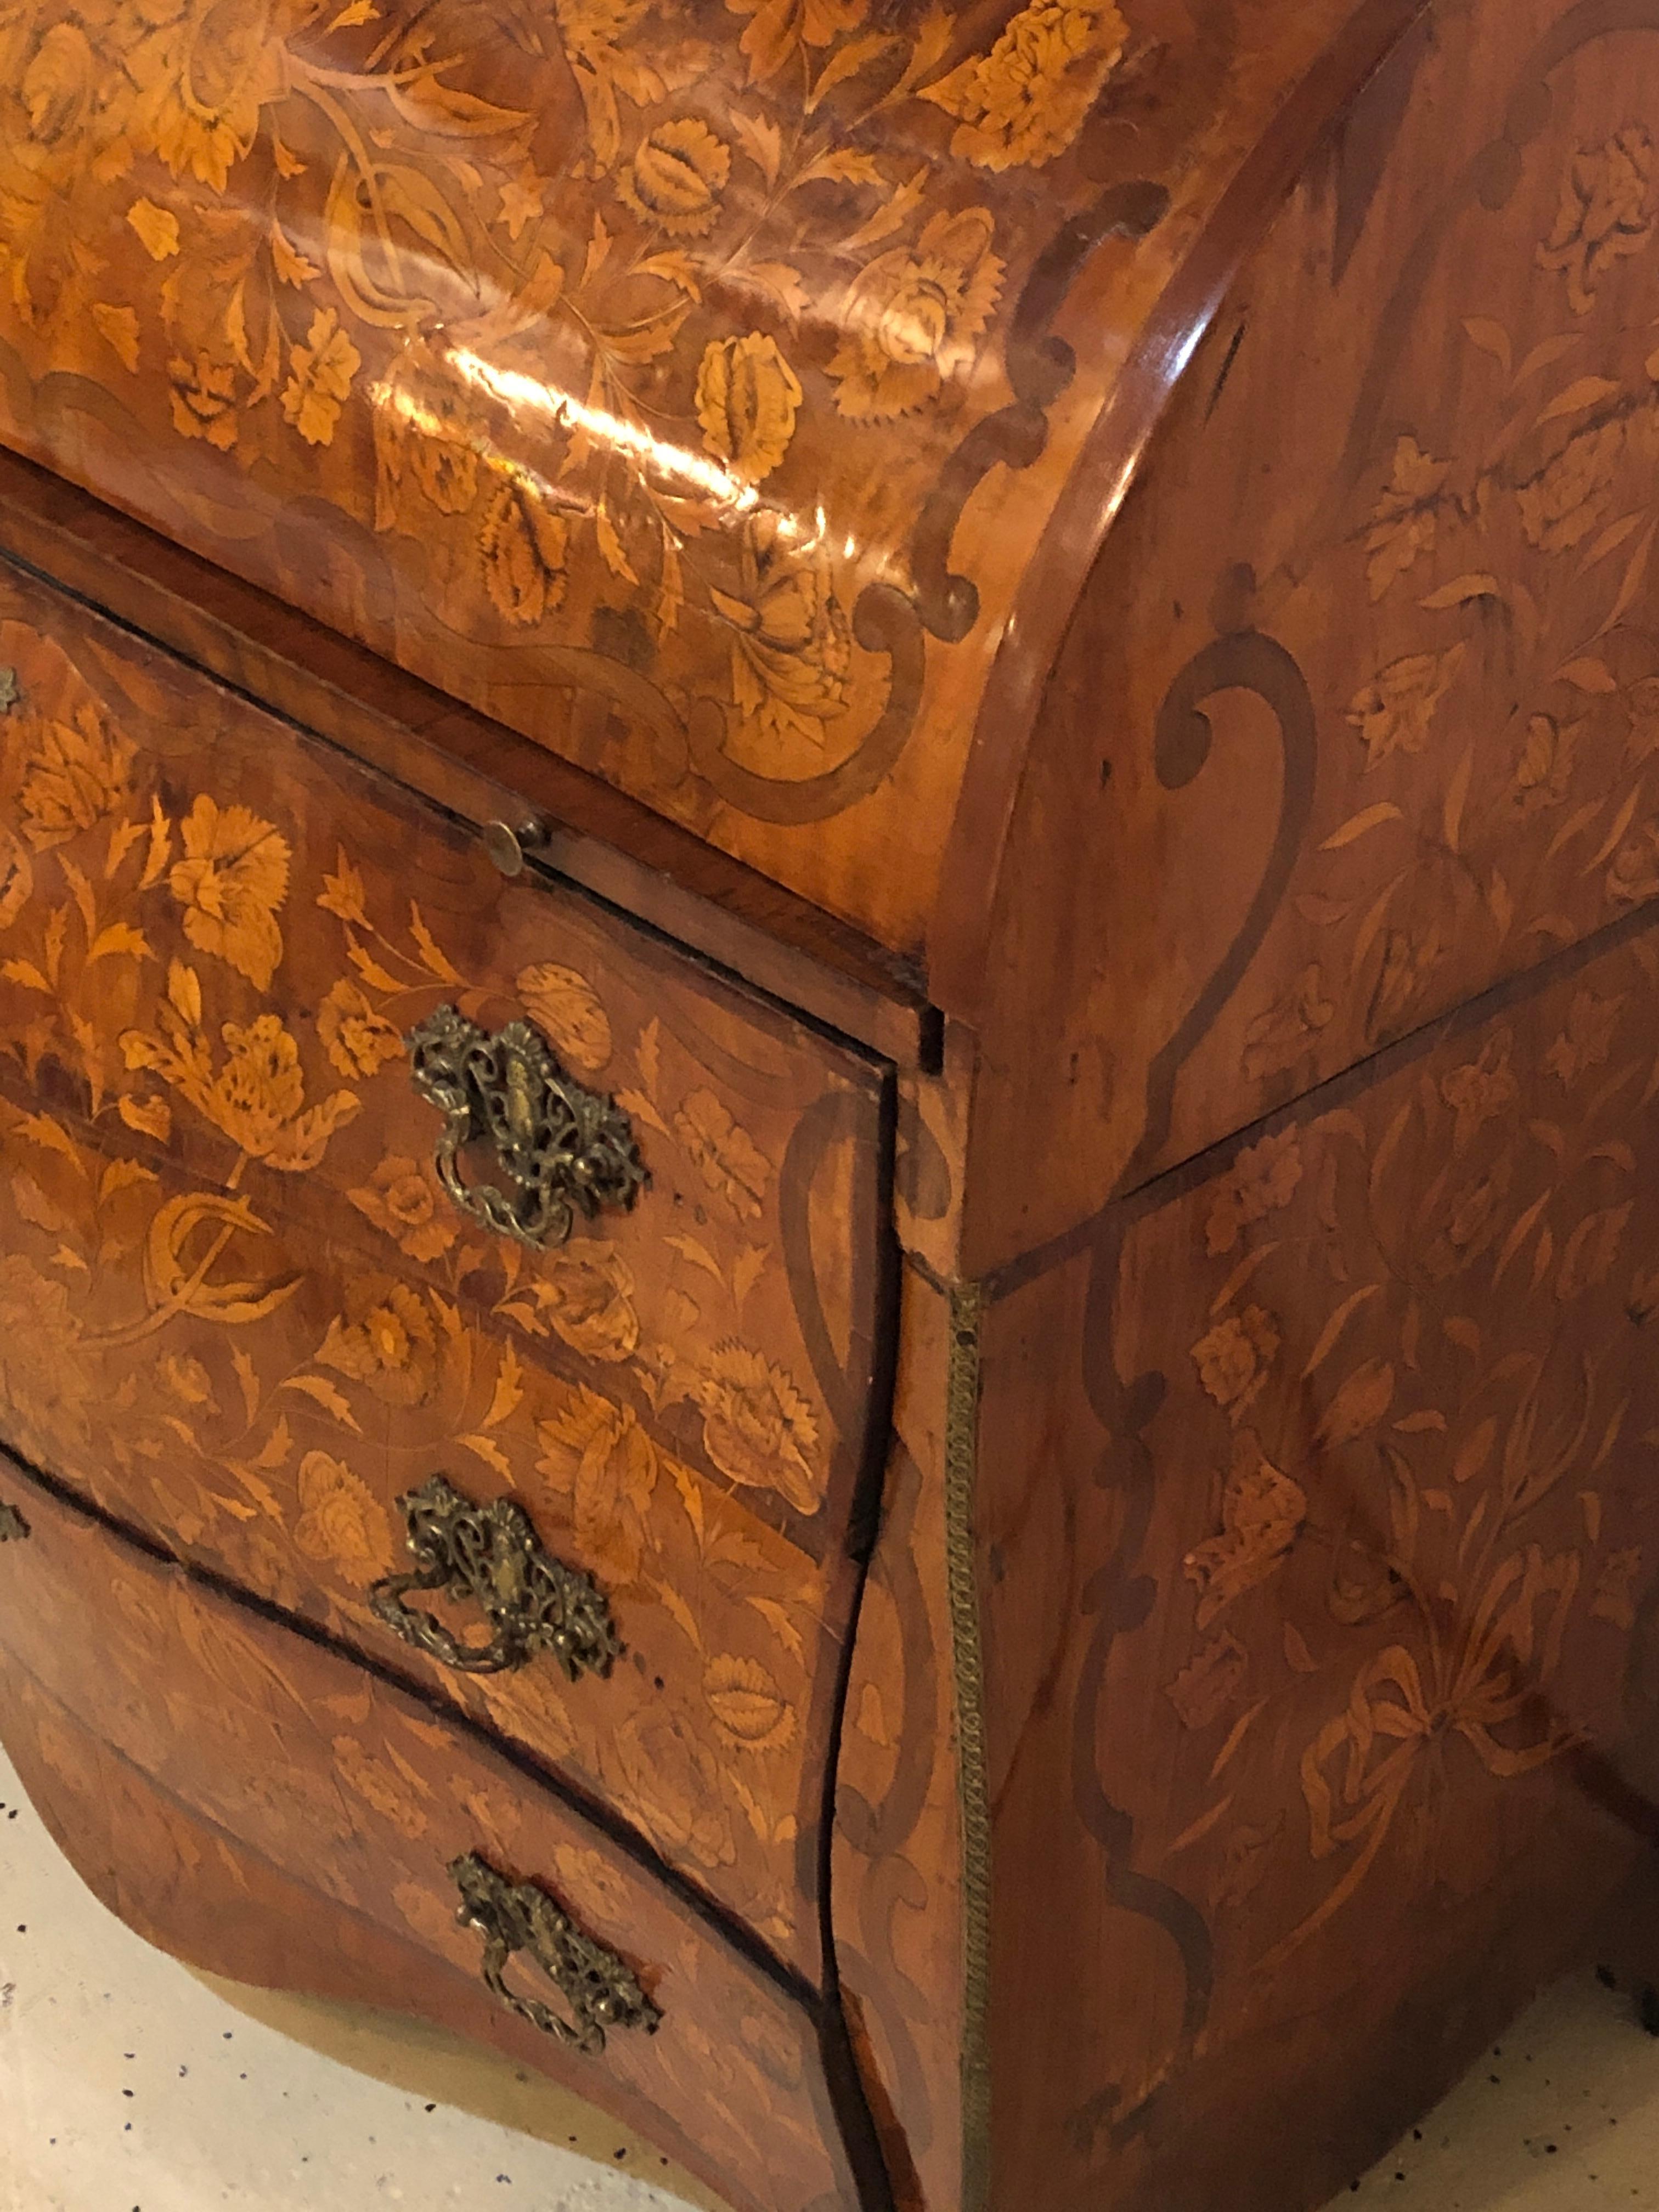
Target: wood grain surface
[269, 1810]
[696, 403]
[280, 1324]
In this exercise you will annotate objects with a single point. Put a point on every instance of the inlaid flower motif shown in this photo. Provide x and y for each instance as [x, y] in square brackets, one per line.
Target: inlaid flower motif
[1262, 1511]
[1406, 521]
[1264, 1177]
[341, 1522]
[1606, 213]
[1571, 495]
[586, 1293]
[1234, 1358]
[185, 1378]
[1482, 1090]
[596, 1454]
[321, 377]
[747, 399]
[781, 28]
[402, 1198]
[1208, 1684]
[1025, 101]
[758, 1428]
[385, 1340]
[1587, 1038]
[1634, 876]
[912, 318]
[257, 1098]
[202, 76]
[442, 449]
[791, 647]
[1287, 1030]
[676, 178]
[565, 1008]
[1394, 712]
[524, 542]
[202, 393]
[232, 880]
[672, 1784]
[74, 775]
[724, 1154]
[750, 1710]
[357, 1038]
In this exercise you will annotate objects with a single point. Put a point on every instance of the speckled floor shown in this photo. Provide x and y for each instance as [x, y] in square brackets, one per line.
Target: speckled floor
[126, 2084]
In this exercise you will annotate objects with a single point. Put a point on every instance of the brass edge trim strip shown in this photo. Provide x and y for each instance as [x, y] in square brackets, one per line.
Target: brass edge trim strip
[961, 1482]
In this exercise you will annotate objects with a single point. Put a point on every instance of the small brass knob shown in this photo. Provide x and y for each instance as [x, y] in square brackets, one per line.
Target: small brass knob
[507, 843]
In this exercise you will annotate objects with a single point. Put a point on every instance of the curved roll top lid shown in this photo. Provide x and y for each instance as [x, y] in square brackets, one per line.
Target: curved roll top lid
[688, 385]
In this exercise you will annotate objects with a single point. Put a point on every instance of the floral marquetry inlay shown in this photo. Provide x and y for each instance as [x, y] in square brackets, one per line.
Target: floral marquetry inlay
[237, 1303]
[640, 356]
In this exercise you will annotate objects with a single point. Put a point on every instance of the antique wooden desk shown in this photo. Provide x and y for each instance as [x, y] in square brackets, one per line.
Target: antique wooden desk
[828, 840]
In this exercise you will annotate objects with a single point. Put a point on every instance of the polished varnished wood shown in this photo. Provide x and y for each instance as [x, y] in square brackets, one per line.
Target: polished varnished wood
[695, 404]
[1078, 577]
[476, 768]
[280, 1324]
[227, 1761]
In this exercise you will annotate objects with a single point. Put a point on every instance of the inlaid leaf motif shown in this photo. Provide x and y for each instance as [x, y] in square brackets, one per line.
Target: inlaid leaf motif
[563, 1005]
[724, 1154]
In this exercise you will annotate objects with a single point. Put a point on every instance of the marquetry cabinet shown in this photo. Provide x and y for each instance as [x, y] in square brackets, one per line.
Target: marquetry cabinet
[830, 1047]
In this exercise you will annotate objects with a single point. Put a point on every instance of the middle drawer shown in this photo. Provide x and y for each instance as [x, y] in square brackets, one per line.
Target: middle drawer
[240, 1309]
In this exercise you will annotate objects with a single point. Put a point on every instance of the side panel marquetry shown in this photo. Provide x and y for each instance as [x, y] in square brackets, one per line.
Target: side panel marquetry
[1359, 713]
[239, 1307]
[1320, 1580]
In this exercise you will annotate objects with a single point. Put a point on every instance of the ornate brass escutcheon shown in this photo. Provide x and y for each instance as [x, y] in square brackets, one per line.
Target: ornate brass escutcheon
[599, 1987]
[491, 1556]
[13, 1527]
[563, 1150]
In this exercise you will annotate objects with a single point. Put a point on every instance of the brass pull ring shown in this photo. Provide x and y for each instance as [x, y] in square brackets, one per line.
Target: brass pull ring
[491, 1556]
[600, 1989]
[563, 1150]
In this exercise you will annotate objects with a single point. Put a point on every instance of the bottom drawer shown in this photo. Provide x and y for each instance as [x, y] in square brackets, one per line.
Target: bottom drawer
[368, 1818]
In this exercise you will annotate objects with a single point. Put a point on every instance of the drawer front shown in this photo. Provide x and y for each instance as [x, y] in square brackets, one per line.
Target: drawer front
[253, 1318]
[389, 1818]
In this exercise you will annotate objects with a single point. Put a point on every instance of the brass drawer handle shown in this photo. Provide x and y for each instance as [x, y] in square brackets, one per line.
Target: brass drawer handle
[491, 1556]
[563, 1150]
[599, 1987]
[13, 1527]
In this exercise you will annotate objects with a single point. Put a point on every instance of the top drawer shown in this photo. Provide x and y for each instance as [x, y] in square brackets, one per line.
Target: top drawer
[242, 1308]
